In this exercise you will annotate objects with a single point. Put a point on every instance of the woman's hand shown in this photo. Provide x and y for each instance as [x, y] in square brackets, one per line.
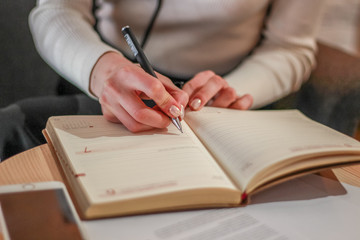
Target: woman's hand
[207, 88]
[121, 85]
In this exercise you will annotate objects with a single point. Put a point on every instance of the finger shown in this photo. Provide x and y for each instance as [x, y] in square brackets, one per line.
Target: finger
[165, 80]
[197, 81]
[134, 107]
[225, 98]
[207, 92]
[163, 99]
[115, 113]
[178, 94]
[155, 90]
[108, 115]
[243, 103]
[144, 114]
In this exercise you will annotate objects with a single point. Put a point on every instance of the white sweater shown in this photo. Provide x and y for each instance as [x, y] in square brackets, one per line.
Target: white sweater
[188, 36]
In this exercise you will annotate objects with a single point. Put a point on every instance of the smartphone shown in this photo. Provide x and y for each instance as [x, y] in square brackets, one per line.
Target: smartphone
[40, 210]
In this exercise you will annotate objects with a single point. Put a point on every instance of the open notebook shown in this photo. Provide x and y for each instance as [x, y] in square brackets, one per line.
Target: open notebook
[222, 157]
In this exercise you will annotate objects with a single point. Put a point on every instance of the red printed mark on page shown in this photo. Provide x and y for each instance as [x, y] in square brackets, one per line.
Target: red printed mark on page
[137, 189]
[86, 150]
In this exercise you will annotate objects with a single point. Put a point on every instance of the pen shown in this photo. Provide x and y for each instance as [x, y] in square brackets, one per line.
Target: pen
[143, 61]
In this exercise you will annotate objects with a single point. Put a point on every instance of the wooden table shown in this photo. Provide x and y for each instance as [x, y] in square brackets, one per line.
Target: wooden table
[38, 165]
[34, 165]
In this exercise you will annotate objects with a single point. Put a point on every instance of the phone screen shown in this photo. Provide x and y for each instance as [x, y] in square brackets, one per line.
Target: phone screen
[39, 214]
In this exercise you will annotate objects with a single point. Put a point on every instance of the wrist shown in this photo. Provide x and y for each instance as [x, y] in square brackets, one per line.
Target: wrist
[103, 69]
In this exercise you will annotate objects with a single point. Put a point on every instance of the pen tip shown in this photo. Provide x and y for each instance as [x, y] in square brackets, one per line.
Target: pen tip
[177, 123]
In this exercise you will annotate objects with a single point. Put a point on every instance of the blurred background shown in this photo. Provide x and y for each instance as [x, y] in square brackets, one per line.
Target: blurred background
[331, 96]
[22, 72]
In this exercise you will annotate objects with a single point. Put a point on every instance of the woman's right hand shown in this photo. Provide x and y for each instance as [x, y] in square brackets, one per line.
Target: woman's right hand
[121, 85]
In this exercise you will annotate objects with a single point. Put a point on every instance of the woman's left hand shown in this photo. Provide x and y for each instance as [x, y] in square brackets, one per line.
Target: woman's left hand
[207, 88]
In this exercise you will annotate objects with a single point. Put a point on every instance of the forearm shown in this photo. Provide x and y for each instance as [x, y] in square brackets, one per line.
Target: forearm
[64, 36]
[272, 73]
[285, 57]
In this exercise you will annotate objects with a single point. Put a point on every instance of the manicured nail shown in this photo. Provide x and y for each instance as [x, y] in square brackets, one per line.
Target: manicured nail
[195, 104]
[182, 115]
[175, 111]
[246, 102]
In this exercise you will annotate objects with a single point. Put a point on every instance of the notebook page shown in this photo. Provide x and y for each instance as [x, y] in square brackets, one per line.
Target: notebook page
[113, 163]
[248, 141]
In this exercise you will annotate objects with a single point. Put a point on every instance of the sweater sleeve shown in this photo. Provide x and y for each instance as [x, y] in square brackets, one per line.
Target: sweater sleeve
[64, 36]
[286, 55]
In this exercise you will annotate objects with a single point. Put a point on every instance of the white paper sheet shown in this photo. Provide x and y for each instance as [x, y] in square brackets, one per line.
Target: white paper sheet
[310, 207]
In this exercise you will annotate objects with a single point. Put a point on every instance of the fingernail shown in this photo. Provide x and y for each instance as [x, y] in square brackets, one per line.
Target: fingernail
[175, 111]
[246, 102]
[195, 104]
[182, 115]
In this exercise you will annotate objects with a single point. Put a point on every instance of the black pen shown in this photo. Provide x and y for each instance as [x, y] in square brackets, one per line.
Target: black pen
[143, 61]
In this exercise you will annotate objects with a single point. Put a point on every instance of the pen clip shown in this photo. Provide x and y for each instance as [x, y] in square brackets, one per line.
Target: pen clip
[131, 44]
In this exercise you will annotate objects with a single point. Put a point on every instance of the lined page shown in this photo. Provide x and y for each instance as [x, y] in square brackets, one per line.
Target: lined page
[248, 141]
[113, 163]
